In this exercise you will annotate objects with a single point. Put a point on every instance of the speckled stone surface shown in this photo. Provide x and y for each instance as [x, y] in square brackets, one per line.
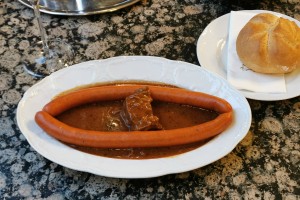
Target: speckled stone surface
[264, 165]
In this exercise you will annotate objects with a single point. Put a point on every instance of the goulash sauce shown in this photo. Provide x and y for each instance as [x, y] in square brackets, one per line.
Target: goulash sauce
[106, 116]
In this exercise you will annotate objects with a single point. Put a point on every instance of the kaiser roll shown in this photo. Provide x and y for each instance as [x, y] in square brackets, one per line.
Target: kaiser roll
[269, 44]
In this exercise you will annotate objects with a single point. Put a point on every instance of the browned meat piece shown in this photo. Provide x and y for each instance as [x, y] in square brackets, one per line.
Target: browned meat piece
[137, 111]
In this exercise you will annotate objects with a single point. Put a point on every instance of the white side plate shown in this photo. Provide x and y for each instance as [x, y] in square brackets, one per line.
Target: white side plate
[210, 54]
[136, 68]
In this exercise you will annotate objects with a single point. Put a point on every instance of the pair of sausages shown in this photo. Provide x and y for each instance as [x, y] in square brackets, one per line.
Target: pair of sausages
[159, 138]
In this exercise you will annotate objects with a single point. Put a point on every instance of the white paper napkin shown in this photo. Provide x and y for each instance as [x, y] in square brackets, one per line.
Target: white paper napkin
[240, 76]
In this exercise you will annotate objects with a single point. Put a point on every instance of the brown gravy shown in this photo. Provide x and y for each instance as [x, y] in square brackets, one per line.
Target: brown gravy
[104, 116]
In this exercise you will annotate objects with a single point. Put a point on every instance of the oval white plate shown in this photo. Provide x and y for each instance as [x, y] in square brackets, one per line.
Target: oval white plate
[210, 55]
[137, 68]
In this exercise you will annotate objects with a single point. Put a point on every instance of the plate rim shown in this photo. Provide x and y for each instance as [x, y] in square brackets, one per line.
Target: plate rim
[149, 174]
[247, 94]
[44, 9]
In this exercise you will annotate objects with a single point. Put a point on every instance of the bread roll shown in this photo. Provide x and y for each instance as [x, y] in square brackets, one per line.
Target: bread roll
[269, 44]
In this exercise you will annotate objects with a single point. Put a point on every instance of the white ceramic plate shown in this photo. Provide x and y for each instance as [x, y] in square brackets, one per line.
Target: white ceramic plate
[210, 55]
[136, 68]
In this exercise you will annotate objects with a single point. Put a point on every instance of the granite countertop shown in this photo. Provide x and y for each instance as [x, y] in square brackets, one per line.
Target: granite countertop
[264, 165]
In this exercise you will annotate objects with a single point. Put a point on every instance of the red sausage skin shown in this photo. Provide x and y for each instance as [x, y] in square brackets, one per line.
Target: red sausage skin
[65, 133]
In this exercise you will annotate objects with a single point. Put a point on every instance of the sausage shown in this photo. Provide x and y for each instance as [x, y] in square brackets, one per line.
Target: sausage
[65, 133]
[116, 92]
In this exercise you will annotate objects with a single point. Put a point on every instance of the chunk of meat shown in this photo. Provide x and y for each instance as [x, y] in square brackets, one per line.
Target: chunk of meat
[137, 111]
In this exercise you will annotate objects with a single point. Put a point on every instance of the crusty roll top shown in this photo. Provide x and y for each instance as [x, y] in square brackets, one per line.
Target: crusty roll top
[269, 44]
